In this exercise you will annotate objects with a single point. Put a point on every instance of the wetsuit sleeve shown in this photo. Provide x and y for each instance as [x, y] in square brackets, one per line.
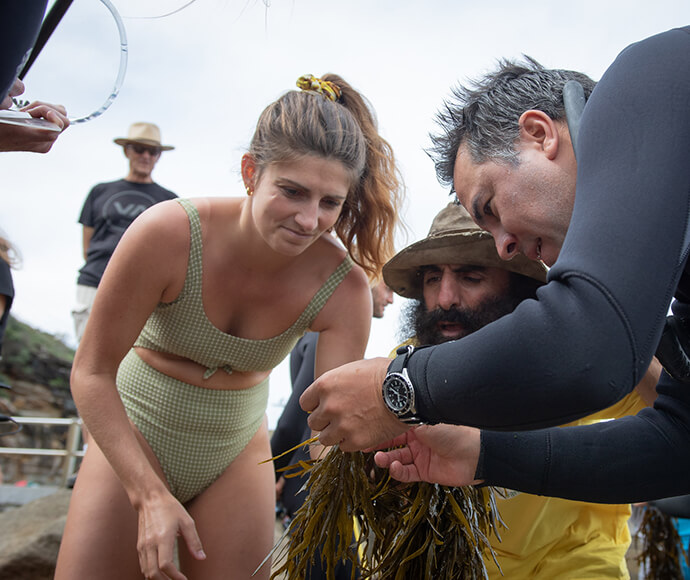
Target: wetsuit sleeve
[637, 458]
[587, 339]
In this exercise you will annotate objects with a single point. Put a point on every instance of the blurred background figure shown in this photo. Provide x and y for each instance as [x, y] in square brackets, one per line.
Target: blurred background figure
[6, 286]
[111, 207]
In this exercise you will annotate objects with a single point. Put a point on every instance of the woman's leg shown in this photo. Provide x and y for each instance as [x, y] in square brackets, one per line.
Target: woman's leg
[235, 518]
[100, 537]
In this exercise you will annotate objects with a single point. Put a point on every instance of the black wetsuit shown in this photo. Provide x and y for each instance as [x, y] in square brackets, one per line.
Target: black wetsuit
[20, 22]
[591, 334]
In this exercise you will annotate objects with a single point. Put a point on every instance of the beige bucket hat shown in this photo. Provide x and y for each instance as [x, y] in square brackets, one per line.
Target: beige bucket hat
[453, 239]
[143, 134]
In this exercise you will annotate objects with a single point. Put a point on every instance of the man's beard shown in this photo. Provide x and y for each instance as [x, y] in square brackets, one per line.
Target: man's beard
[425, 322]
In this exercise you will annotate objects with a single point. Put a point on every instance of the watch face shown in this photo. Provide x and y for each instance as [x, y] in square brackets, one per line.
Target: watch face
[396, 393]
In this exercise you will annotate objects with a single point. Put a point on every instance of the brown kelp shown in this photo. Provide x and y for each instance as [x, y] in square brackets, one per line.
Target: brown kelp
[389, 530]
[662, 547]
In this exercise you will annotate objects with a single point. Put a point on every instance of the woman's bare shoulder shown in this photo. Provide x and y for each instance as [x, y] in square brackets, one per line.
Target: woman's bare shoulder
[160, 231]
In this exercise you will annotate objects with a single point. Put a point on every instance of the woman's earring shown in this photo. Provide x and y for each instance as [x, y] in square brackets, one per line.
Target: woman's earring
[249, 191]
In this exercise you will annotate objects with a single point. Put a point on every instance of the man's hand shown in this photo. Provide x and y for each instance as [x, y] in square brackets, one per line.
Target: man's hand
[347, 407]
[443, 454]
[34, 139]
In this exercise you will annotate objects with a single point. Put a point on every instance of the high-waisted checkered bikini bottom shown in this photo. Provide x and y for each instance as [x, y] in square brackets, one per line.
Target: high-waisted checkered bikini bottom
[195, 432]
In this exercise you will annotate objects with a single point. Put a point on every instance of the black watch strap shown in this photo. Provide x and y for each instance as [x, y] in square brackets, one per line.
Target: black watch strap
[400, 361]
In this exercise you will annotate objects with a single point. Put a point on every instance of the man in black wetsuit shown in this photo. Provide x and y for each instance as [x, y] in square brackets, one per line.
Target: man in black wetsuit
[618, 246]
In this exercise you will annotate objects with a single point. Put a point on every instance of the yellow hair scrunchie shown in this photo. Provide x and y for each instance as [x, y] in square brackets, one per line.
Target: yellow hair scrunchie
[313, 84]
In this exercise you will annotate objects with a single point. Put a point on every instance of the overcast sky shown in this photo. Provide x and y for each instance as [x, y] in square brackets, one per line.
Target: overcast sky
[205, 73]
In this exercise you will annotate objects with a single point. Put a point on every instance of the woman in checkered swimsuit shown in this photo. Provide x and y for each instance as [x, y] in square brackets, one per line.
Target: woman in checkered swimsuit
[201, 300]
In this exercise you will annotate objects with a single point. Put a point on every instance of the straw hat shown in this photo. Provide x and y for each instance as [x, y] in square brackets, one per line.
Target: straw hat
[143, 134]
[453, 239]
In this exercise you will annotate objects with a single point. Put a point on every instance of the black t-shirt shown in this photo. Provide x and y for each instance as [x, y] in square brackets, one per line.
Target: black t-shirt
[6, 289]
[109, 209]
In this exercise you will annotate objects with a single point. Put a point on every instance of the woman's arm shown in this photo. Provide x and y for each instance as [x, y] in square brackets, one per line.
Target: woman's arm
[344, 323]
[147, 267]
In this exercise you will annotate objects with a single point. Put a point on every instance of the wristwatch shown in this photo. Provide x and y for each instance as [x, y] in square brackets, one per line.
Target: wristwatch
[398, 390]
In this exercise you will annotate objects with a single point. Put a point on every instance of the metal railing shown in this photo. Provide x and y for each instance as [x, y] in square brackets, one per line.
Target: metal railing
[71, 451]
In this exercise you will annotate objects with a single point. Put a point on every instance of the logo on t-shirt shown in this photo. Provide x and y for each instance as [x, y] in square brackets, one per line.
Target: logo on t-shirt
[124, 207]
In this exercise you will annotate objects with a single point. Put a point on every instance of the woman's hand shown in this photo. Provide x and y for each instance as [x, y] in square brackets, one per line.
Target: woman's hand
[443, 454]
[161, 520]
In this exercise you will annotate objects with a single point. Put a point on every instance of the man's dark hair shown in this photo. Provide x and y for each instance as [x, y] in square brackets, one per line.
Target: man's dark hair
[485, 113]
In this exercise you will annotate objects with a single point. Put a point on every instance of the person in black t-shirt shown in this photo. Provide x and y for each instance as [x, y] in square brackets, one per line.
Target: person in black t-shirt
[111, 207]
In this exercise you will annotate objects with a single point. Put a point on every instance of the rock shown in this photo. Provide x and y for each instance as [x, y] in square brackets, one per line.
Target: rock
[30, 537]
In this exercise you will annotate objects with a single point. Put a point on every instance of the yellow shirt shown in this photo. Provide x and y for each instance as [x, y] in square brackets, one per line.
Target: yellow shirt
[549, 538]
[559, 539]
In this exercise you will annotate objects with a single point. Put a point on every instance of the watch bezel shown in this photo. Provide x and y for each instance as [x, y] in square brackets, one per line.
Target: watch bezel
[404, 378]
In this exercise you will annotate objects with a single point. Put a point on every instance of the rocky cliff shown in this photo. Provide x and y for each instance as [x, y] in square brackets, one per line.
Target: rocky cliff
[37, 367]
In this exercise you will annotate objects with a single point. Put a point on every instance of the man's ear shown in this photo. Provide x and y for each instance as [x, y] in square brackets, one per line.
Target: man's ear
[539, 130]
[249, 171]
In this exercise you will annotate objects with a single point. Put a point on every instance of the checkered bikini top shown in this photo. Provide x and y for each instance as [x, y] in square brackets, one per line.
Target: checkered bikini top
[182, 327]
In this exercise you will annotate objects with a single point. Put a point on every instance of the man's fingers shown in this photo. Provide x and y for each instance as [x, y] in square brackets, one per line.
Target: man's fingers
[316, 423]
[395, 442]
[404, 473]
[53, 113]
[59, 120]
[326, 438]
[309, 399]
[386, 458]
[383, 459]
